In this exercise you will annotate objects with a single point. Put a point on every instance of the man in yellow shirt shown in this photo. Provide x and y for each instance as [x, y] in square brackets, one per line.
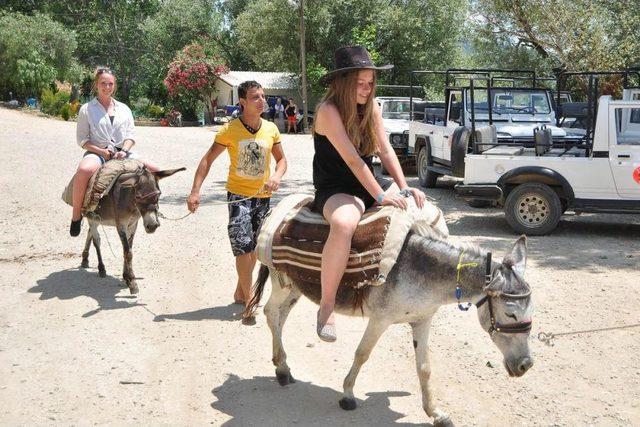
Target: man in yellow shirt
[250, 142]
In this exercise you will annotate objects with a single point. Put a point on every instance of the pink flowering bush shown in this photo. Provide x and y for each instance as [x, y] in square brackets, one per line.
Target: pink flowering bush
[191, 78]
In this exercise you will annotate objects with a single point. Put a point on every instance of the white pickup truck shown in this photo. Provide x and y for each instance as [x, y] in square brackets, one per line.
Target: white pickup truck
[396, 111]
[440, 133]
[536, 184]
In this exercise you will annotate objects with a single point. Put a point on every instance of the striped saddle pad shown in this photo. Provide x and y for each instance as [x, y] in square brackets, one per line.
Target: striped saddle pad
[292, 238]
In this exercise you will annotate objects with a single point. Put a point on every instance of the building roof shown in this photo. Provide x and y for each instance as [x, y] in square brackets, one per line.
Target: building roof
[268, 80]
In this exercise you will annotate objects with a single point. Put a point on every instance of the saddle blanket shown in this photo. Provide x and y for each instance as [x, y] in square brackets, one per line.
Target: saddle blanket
[292, 238]
[101, 182]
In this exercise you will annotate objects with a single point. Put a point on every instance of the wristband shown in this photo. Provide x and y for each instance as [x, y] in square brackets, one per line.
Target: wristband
[380, 197]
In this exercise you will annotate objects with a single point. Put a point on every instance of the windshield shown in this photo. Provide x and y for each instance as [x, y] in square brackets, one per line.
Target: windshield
[507, 101]
[398, 109]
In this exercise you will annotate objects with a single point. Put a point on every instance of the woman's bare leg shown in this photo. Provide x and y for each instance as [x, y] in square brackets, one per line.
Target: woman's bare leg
[343, 212]
[86, 168]
[150, 166]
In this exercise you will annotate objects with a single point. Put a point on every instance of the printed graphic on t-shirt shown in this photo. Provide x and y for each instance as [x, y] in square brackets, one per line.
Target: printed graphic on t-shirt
[251, 159]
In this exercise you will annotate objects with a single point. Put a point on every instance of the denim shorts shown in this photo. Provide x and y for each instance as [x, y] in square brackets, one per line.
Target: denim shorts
[101, 159]
[245, 220]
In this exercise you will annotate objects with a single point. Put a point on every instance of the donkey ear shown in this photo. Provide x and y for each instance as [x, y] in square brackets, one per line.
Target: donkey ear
[517, 259]
[168, 172]
[494, 288]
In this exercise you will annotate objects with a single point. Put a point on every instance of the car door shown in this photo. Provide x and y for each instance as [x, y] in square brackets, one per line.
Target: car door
[624, 148]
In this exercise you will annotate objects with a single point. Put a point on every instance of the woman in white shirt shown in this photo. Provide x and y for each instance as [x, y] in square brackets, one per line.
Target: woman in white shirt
[106, 131]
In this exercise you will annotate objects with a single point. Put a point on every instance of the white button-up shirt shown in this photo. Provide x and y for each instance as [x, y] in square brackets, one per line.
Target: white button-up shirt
[95, 126]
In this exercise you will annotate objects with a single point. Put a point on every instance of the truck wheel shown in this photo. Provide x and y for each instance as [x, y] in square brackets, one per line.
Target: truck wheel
[533, 209]
[426, 177]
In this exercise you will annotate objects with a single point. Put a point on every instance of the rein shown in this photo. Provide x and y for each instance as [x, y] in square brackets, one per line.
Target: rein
[161, 215]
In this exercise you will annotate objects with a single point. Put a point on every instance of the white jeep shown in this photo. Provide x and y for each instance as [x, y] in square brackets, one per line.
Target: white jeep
[536, 184]
[440, 133]
[396, 111]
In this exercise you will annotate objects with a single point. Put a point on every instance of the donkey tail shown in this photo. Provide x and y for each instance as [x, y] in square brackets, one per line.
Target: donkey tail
[258, 289]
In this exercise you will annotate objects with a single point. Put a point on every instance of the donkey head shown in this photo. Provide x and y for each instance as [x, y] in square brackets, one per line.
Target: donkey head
[505, 312]
[147, 193]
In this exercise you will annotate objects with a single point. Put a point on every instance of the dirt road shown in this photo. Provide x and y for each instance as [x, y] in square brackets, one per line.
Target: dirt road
[77, 349]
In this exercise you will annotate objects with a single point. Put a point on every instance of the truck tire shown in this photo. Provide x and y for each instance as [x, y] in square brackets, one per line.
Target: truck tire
[427, 178]
[459, 150]
[533, 209]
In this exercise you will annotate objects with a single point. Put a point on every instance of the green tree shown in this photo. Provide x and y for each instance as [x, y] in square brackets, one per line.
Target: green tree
[411, 34]
[176, 24]
[576, 35]
[34, 51]
[191, 78]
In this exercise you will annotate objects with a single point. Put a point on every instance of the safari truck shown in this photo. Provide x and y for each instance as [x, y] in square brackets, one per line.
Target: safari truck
[535, 184]
[396, 113]
[479, 107]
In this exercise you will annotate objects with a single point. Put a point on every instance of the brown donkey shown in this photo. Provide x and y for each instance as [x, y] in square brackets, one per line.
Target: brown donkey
[134, 195]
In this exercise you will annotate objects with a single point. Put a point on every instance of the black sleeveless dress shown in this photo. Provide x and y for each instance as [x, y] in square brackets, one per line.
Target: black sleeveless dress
[331, 175]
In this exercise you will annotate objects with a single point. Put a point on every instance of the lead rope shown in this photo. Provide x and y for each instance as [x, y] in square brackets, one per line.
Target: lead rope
[548, 338]
[260, 190]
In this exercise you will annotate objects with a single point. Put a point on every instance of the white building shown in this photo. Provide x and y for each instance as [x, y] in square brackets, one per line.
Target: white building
[285, 85]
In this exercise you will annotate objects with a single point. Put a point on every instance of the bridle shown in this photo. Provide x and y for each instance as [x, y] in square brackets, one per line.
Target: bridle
[149, 200]
[509, 328]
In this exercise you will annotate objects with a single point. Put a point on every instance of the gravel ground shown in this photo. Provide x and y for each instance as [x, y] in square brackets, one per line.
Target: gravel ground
[77, 349]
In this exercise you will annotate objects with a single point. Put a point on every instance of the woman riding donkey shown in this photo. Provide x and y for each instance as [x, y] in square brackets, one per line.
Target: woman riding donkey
[106, 131]
[348, 131]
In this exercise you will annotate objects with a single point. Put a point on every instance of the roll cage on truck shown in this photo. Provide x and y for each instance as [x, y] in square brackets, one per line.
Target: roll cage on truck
[536, 171]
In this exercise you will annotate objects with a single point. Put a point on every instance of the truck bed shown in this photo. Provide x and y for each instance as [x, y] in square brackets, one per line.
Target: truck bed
[507, 150]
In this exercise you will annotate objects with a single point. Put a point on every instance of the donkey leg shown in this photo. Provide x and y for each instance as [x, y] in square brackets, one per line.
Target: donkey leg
[127, 270]
[85, 252]
[95, 235]
[421, 344]
[277, 309]
[375, 329]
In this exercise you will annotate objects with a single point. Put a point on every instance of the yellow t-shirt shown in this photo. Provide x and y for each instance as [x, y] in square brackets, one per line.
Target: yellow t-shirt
[250, 156]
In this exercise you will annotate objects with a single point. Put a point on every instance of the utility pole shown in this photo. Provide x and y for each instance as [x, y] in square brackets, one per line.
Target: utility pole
[303, 61]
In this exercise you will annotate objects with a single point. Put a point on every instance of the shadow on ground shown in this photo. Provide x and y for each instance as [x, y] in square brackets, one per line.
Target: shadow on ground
[229, 313]
[73, 283]
[262, 401]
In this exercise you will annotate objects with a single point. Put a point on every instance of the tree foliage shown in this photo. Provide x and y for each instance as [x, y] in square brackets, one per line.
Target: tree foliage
[176, 24]
[192, 76]
[34, 51]
[574, 35]
[138, 39]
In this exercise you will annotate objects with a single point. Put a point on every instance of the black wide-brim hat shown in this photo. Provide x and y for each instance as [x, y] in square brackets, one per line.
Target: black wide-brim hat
[350, 58]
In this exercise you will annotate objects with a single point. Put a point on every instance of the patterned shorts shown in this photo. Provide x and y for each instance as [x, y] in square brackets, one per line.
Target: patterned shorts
[245, 220]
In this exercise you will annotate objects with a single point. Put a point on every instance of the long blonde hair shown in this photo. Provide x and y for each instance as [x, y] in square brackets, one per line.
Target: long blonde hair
[358, 120]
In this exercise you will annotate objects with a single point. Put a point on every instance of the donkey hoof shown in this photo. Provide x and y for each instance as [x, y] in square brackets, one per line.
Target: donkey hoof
[443, 422]
[102, 272]
[84, 263]
[285, 379]
[347, 403]
[133, 289]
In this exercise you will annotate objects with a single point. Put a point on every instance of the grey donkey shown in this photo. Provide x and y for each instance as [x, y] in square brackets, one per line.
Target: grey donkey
[425, 277]
[133, 196]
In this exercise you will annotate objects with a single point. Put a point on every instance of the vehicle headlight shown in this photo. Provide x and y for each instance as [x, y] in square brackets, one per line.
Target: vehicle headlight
[396, 139]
